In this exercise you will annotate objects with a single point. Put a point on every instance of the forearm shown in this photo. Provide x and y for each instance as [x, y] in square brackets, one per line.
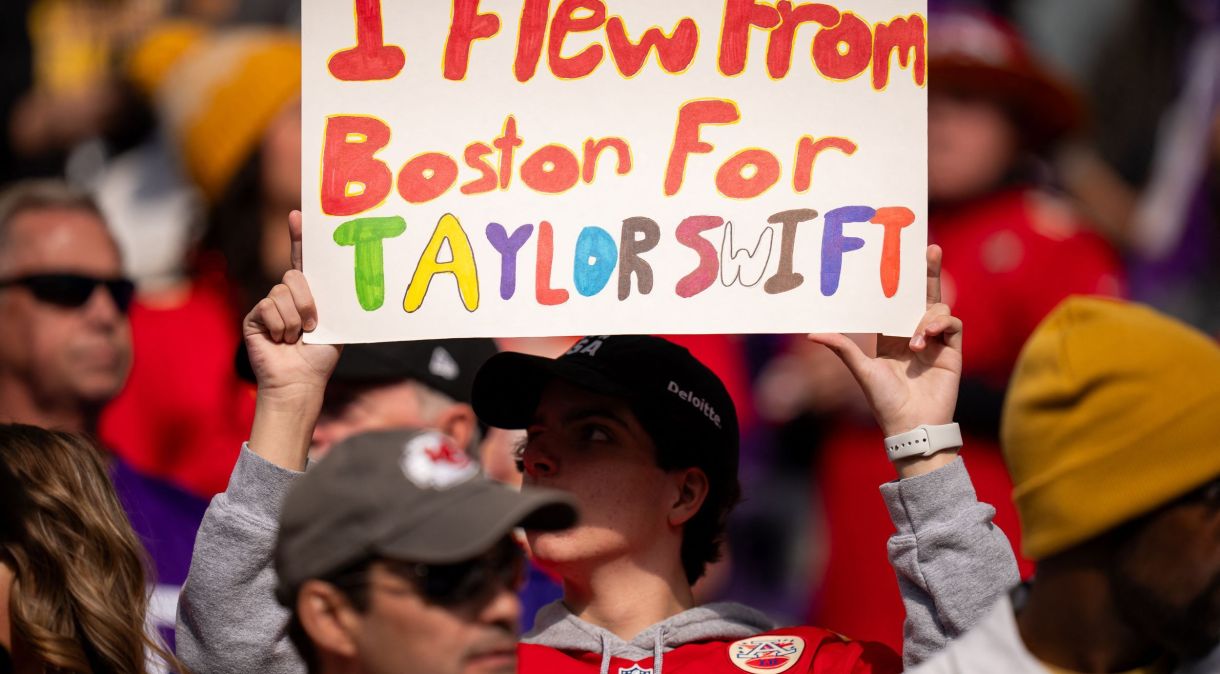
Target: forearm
[952, 562]
[283, 426]
[228, 618]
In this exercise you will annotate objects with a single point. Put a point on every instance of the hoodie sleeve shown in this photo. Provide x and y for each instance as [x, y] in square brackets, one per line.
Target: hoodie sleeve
[952, 563]
[228, 618]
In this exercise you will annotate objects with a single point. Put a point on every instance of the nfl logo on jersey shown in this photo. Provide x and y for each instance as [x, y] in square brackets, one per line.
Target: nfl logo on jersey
[635, 669]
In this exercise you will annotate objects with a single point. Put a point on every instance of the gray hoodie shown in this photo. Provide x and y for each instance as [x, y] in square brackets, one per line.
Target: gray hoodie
[557, 627]
[952, 565]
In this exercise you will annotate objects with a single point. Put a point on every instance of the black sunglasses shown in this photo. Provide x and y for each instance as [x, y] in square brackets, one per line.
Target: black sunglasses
[73, 290]
[451, 584]
[455, 584]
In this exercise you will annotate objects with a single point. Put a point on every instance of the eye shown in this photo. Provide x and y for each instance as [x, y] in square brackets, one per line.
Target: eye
[596, 433]
[519, 454]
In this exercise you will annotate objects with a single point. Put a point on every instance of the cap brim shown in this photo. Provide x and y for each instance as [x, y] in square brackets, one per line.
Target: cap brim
[509, 385]
[468, 529]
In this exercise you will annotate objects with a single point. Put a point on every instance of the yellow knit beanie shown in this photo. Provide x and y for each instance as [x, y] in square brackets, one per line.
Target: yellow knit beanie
[1113, 410]
[217, 92]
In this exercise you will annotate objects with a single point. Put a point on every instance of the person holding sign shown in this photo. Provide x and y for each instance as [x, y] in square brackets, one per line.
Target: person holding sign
[645, 438]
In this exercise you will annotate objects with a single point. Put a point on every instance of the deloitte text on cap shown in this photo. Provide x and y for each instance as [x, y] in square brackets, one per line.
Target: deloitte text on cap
[680, 402]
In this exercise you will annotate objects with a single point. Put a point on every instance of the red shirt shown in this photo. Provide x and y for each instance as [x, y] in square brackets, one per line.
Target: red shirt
[1010, 259]
[183, 413]
[791, 649]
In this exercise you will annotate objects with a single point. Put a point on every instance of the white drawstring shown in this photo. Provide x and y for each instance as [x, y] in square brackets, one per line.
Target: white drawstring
[605, 656]
[658, 651]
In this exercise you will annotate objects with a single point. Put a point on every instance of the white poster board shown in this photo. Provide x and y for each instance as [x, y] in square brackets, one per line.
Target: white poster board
[534, 167]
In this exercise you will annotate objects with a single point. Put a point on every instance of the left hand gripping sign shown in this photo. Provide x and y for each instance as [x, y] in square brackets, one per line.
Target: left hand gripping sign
[544, 167]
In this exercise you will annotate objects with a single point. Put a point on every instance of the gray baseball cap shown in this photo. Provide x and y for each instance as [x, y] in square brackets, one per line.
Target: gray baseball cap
[405, 495]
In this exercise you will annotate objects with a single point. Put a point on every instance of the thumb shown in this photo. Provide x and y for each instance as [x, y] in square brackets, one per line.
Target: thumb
[294, 235]
[847, 350]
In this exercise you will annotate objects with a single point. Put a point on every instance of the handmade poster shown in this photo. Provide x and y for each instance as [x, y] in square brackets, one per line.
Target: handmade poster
[548, 167]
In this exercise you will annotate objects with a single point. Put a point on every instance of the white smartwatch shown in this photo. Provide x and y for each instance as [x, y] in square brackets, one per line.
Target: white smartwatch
[925, 440]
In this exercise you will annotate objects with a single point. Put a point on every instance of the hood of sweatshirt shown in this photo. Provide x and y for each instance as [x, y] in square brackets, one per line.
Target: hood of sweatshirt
[556, 627]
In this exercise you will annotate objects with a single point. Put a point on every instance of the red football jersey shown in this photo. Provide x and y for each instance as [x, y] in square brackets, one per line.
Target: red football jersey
[792, 649]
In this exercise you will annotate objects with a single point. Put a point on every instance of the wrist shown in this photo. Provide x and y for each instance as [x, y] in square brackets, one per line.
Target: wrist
[283, 426]
[922, 465]
[292, 398]
[923, 448]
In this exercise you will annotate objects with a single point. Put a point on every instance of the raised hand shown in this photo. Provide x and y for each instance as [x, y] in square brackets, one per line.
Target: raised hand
[910, 381]
[291, 374]
[282, 362]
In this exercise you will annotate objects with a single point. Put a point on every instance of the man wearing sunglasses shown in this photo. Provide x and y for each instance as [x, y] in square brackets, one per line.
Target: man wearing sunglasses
[394, 555]
[65, 346]
[65, 351]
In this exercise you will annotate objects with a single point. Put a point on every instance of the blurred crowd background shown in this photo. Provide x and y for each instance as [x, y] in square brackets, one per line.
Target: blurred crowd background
[1073, 148]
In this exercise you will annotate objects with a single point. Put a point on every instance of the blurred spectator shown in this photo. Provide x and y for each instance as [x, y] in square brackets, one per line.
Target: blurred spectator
[285, 12]
[1013, 250]
[1150, 173]
[73, 580]
[229, 101]
[16, 77]
[1110, 431]
[65, 350]
[71, 106]
[422, 384]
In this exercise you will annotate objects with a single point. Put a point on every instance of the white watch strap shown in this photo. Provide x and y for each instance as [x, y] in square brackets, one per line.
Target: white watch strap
[925, 440]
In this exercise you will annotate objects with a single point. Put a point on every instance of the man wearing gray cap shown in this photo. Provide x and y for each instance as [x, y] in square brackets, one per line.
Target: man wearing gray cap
[392, 555]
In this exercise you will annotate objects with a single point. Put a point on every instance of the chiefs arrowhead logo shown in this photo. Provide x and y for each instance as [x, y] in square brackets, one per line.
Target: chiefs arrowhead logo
[432, 461]
[767, 654]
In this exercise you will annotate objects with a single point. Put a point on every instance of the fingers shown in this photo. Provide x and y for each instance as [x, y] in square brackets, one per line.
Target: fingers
[294, 235]
[265, 318]
[847, 350]
[947, 328]
[302, 298]
[286, 311]
[935, 256]
[937, 323]
[288, 314]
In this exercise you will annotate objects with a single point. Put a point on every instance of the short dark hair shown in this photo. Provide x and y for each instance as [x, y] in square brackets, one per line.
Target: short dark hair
[703, 535]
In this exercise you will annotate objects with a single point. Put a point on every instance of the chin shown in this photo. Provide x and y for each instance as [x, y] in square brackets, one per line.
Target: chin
[100, 389]
[566, 552]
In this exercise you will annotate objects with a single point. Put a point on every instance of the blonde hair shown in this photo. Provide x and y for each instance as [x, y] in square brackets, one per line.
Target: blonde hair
[78, 601]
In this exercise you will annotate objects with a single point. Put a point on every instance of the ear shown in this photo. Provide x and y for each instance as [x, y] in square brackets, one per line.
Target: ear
[327, 618]
[691, 487]
[459, 422]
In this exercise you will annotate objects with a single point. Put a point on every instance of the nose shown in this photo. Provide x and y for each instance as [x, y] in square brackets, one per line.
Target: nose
[502, 609]
[101, 307]
[537, 462]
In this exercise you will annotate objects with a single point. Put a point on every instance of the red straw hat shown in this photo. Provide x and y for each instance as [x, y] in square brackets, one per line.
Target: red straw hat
[978, 54]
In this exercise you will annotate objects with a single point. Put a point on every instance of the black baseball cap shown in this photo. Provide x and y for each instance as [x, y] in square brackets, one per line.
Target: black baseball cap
[405, 495]
[445, 365]
[680, 402]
